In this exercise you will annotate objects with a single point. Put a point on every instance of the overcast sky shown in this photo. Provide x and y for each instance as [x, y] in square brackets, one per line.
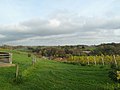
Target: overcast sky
[59, 22]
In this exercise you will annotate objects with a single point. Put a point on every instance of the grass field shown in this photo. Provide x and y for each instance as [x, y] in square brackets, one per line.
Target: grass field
[52, 75]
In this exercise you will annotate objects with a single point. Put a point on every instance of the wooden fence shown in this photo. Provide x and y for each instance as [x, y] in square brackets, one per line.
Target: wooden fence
[5, 57]
[6, 61]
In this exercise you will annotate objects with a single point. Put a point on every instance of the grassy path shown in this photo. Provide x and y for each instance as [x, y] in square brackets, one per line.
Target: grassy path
[50, 75]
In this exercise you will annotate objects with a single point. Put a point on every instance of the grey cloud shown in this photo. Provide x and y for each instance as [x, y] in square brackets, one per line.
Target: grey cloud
[61, 29]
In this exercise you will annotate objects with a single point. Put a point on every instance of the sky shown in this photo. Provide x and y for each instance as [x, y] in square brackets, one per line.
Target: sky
[59, 22]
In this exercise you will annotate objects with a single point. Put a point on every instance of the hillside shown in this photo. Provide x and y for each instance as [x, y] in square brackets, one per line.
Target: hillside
[52, 75]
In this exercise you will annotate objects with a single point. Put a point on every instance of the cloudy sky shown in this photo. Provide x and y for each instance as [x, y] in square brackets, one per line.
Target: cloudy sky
[59, 22]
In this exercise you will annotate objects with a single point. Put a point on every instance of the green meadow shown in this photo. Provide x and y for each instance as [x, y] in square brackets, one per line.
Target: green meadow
[53, 75]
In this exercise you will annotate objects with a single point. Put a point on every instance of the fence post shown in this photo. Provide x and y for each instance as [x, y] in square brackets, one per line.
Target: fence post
[103, 61]
[73, 58]
[88, 60]
[95, 60]
[33, 60]
[10, 58]
[115, 60]
[17, 71]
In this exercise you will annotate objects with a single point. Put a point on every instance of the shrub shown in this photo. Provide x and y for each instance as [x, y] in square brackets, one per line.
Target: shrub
[113, 66]
[29, 55]
[114, 74]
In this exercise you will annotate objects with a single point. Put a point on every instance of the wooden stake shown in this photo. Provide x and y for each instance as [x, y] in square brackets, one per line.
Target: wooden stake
[103, 61]
[88, 60]
[73, 58]
[33, 61]
[17, 71]
[95, 60]
[115, 60]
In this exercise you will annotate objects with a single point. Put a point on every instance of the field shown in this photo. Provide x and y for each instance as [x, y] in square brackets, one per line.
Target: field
[53, 75]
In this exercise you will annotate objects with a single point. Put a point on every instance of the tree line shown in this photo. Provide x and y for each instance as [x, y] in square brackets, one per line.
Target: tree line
[70, 50]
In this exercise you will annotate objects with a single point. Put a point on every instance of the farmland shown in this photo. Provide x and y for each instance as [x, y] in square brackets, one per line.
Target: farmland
[94, 60]
[59, 45]
[53, 75]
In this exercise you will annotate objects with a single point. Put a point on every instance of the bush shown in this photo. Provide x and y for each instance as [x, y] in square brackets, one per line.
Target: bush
[114, 73]
[113, 66]
[29, 55]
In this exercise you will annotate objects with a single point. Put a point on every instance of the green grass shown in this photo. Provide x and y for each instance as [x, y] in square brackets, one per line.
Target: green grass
[52, 75]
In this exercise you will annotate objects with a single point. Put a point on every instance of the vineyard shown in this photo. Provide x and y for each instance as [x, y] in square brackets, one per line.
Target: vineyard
[95, 60]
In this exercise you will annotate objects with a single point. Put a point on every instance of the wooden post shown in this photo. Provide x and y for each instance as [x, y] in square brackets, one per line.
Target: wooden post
[95, 60]
[103, 61]
[73, 58]
[79, 59]
[33, 61]
[10, 58]
[17, 71]
[115, 60]
[88, 60]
